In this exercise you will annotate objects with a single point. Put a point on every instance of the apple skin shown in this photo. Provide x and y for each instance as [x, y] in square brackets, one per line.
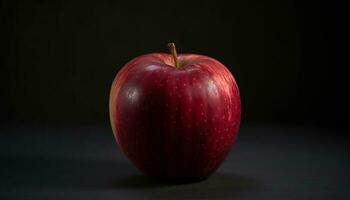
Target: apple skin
[175, 123]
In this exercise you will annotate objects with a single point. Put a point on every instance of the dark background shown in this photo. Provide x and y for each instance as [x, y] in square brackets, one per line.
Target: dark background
[58, 60]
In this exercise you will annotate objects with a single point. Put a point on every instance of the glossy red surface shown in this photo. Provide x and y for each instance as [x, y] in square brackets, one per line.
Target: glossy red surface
[175, 123]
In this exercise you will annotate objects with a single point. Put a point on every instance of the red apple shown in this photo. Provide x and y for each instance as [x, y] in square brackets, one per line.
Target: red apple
[175, 116]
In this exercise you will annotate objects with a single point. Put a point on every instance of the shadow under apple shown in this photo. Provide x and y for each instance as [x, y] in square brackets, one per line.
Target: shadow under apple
[217, 186]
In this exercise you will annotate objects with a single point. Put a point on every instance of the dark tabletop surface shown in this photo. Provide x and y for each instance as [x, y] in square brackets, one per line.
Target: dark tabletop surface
[268, 162]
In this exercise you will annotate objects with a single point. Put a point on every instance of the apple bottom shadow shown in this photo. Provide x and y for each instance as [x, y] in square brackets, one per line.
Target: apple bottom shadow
[217, 186]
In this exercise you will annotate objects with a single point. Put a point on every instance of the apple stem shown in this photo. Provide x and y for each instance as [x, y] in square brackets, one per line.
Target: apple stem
[172, 49]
